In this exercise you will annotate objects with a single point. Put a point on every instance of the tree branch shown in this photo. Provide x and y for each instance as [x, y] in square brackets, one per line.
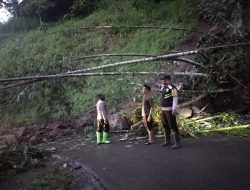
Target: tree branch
[190, 61]
[18, 84]
[135, 54]
[147, 59]
[226, 129]
[193, 100]
[211, 91]
[158, 57]
[205, 93]
[111, 55]
[45, 77]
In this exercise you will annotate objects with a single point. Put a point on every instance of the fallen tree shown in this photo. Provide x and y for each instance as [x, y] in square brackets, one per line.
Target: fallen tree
[45, 77]
[225, 129]
[170, 56]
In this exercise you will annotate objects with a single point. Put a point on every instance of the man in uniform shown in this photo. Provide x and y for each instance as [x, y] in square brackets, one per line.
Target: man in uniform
[147, 109]
[169, 101]
[102, 121]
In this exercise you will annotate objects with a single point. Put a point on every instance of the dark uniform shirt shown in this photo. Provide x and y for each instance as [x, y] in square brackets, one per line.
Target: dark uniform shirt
[167, 93]
[147, 104]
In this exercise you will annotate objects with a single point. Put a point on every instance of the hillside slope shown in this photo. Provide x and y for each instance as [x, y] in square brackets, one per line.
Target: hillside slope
[40, 52]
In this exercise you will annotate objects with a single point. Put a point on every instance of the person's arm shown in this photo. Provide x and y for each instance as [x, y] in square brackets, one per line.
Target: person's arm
[151, 103]
[175, 101]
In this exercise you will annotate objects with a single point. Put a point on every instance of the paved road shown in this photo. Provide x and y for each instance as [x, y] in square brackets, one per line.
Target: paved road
[208, 163]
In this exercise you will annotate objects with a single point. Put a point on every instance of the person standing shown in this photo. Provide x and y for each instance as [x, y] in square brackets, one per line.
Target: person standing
[147, 110]
[169, 101]
[102, 133]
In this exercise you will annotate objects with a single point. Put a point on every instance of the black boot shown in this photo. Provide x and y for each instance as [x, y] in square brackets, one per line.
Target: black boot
[177, 143]
[167, 141]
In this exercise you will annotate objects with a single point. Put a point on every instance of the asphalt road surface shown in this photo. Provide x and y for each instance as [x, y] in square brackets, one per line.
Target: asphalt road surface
[207, 163]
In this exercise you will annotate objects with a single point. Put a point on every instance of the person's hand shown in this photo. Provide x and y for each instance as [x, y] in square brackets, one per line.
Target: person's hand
[174, 112]
[149, 119]
[106, 121]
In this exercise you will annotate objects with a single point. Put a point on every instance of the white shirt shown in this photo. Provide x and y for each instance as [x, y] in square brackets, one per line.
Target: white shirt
[101, 109]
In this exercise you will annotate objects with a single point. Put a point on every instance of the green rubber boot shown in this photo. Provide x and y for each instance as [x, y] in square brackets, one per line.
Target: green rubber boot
[105, 138]
[98, 137]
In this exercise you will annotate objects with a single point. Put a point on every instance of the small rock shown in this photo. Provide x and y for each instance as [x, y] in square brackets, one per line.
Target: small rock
[128, 146]
[119, 121]
[51, 149]
[37, 138]
[195, 109]
[185, 112]
[65, 165]
[77, 166]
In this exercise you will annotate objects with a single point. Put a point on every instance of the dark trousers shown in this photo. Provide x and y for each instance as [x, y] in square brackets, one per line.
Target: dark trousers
[169, 122]
[102, 127]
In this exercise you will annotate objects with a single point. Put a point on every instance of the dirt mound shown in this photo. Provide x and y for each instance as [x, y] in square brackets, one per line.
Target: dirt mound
[48, 131]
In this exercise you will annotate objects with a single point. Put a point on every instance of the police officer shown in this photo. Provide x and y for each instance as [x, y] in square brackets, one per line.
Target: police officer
[169, 101]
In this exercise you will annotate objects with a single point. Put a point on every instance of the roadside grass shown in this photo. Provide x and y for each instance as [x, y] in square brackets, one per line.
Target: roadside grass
[36, 52]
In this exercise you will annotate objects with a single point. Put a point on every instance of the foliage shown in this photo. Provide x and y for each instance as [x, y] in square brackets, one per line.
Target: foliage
[53, 10]
[19, 24]
[201, 124]
[83, 7]
[214, 11]
[156, 115]
[12, 6]
[226, 14]
[18, 158]
[136, 115]
[219, 121]
[48, 52]
[157, 119]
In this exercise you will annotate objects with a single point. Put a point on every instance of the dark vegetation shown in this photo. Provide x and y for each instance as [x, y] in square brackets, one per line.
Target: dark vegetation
[39, 42]
[37, 52]
[47, 37]
[15, 159]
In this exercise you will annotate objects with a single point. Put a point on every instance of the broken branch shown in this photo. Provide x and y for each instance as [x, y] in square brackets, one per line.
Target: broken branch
[225, 129]
[210, 91]
[193, 100]
[190, 61]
